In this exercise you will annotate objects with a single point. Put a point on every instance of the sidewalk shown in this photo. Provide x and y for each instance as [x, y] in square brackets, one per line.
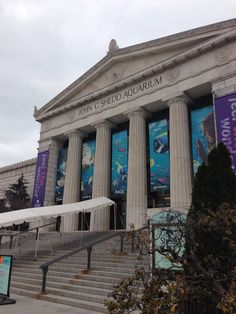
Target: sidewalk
[26, 305]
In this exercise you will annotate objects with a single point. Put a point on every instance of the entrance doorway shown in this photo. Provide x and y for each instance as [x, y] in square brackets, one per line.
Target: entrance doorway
[120, 215]
[84, 221]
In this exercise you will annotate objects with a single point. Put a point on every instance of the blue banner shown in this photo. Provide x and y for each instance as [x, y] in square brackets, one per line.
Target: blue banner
[87, 169]
[203, 135]
[119, 163]
[40, 179]
[61, 174]
[159, 156]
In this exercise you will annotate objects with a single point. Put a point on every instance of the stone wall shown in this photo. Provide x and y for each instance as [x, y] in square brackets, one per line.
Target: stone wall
[10, 175]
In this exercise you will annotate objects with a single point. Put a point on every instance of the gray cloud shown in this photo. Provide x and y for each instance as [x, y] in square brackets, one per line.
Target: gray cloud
[47, 44]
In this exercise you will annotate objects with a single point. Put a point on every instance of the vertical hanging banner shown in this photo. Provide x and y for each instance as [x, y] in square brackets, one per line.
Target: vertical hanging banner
[119, 163]
[225, 111]
[203, 135]
[61, 174]
[159, 156]
[88, 156]
[40, 179]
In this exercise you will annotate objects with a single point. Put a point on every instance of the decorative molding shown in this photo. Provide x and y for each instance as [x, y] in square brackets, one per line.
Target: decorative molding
[112, 46]
[223, 54]
[137, 112]
[17, 165]
[103, 123]
[171, 63]
[172, 74]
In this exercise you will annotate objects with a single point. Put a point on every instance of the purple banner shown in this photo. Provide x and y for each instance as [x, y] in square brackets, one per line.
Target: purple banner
[40, 179]
[225, 110]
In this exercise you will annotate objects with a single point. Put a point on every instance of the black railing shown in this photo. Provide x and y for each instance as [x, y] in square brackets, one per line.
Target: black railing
[87, 247]
[11, 235]
[129, 238]
[130, 234]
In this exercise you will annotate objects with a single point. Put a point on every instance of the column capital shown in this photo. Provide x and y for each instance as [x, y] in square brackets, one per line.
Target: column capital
[224, 85]
[103, 123]
[75, 132]
[137, 112]
[177, 98]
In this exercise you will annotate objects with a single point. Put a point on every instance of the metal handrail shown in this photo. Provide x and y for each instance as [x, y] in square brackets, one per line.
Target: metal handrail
[88, 246]
[11, 235]
[133, 235]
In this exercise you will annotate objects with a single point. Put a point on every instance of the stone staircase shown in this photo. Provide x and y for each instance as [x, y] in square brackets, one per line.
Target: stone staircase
[68, 281]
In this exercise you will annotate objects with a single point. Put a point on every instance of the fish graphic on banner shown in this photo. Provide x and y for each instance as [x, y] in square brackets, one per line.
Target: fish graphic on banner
[119, 162]
[159, 156]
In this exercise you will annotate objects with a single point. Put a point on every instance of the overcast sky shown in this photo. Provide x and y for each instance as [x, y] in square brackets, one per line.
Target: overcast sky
[46, 44]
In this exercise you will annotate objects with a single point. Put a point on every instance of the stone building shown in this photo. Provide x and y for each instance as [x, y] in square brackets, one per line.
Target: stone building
[10, 174]
[136, 126]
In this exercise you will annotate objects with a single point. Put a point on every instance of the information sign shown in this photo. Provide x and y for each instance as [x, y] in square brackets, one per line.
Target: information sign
[5, 274]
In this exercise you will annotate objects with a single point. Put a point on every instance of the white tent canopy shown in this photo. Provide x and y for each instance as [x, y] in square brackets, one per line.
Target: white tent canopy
[39, 213]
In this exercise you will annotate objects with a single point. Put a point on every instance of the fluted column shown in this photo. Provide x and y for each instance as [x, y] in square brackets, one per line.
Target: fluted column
[137, 170]
[72, 178]
[180, 156]
[101, 177]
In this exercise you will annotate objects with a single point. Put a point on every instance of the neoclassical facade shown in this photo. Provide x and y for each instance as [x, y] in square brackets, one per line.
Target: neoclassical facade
[135, 126]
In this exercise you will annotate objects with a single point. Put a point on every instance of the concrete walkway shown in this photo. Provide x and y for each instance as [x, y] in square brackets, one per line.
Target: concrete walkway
[26, 305]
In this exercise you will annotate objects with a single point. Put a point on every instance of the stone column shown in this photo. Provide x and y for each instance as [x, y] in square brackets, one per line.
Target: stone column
[101, 177]
[137, 170]
[72, 178]
[180, 156]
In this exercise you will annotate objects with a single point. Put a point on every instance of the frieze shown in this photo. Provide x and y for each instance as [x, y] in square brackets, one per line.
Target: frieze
[117, 98]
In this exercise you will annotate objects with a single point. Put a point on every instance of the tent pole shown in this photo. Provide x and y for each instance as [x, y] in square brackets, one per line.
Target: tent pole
[81, 224]
[17, 238]
[94, 220]
[36, 246]
[115, 210]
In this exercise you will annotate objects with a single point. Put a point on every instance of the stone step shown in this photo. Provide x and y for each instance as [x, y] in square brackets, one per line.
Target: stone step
[72, 274]
[82, 255]
[64, 282]
[65, 276]
[81, 263]
[63, 300]
[36, 286]
[68, 282]
[78, 267]
[81, 295]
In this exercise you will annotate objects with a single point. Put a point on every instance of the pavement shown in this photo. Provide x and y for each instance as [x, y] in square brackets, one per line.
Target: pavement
[26, 305]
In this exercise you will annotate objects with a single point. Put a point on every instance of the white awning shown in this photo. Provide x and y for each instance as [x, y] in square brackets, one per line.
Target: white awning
[38, 213]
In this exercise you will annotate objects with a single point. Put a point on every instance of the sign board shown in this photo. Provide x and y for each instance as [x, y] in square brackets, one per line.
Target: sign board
[5, 274]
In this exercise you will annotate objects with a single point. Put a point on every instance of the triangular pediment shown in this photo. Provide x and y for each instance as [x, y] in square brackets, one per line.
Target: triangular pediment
[127, 63]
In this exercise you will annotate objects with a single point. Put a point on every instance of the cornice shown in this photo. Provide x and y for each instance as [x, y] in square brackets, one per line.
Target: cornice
[182, 35]
[157, 68]
[17, 165]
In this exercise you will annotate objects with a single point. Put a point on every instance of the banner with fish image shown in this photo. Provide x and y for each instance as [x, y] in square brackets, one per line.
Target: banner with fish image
[203, 135]
[119, 163]
[159, 156]
[61, 174]
[88, 155]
